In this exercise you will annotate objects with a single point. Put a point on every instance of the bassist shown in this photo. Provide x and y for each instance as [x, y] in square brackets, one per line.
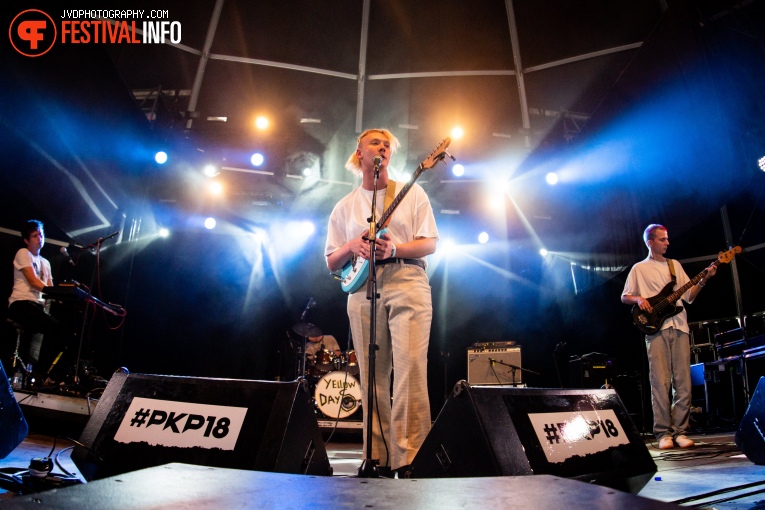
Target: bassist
[669, 355]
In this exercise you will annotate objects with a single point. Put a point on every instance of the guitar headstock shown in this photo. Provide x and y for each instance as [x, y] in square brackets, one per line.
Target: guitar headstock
[437, 155]
[726, 256]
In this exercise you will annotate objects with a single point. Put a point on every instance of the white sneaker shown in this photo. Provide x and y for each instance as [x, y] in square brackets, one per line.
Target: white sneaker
[665, 443]
[684, 441]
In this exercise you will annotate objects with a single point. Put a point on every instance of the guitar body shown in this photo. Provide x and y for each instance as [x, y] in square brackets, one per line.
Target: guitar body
[355, 272]
[650, 323]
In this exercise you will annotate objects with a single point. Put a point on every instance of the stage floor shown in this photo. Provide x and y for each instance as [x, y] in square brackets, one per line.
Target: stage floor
[715, 464]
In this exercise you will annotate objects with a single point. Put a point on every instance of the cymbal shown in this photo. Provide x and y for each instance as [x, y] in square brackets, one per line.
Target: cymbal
[306, 329]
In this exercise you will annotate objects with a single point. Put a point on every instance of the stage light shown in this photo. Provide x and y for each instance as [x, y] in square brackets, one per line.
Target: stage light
[483, 238]
[210, 223]
[163, 232]
[761, 163]
[457, 132]
[216, 188]
[543, 252]
[257, 159]
[211, 170]
[261, 122]
[307, 171]
[161, 157]
[458, 170]
[551, 178]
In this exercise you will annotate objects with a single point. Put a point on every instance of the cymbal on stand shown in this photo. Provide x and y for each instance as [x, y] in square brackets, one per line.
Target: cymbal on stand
[306, 329]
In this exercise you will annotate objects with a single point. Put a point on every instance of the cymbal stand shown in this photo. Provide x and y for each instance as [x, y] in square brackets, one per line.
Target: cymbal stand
[305, 340]
[368, 467]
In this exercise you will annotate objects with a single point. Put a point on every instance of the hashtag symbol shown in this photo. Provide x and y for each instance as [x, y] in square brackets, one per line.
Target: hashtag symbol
[140, 417]
[552, 433]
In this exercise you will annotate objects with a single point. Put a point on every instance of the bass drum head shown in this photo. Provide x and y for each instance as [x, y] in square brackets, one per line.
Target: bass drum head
[338, 395]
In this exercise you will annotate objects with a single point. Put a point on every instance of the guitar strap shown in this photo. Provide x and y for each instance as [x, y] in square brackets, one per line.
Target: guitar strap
[671, 270]
[390, 194]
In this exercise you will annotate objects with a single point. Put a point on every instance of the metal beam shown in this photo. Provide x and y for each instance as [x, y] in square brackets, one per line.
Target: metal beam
[203, 59]
[282, 65]
[516, 47]
[362, 66]
[584, 56]
[438, 74]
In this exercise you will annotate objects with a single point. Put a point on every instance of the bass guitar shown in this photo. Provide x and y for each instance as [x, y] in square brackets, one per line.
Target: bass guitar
[356, 270]
[663, 304]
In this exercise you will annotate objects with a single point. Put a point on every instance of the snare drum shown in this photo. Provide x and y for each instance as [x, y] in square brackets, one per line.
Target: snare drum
[338, 396]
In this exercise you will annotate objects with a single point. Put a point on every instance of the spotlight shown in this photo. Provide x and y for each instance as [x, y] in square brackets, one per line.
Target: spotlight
[163, 232]
[761, 163]
[458, 170]
[551, 178]
[457, 132]
[216, 188]
[161, 157]
[257, 159]
[543, 252]
[211, 170]
[307, 171]
[483, 238]
[261, 122]
[210, 223]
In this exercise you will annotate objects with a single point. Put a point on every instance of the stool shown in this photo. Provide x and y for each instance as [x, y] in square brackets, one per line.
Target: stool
[19, 332]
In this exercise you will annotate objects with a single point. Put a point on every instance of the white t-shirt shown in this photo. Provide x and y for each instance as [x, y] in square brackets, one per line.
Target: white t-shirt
[412, 218]
[21, 288]
[648, 277]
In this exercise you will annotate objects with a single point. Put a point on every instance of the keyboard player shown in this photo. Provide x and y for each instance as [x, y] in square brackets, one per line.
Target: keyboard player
[26, 306]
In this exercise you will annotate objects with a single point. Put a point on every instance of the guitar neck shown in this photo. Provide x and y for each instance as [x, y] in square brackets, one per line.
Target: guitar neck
[672, 298]
[399, 198]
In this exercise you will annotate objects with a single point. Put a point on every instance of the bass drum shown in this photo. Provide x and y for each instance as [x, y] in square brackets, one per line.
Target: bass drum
[338, 395]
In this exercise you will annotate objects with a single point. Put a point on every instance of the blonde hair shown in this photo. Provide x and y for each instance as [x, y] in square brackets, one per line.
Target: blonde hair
[354, 164]
[650, 231]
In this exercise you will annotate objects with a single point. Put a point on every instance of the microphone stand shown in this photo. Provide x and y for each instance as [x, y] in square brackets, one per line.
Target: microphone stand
[368, 467]
[513, 368]
[88, 301]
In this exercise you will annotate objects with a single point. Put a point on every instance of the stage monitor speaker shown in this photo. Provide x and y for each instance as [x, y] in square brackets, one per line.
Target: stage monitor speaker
[144, 420]
[494, 365]
[750, 436]
[13, 425]
[494, 431]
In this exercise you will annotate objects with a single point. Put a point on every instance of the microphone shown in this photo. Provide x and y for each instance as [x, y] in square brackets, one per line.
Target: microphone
[65, 252]
[377, 160]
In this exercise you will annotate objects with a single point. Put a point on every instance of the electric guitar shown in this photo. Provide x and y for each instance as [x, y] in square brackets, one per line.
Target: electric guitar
[663, 304]
[356, 270]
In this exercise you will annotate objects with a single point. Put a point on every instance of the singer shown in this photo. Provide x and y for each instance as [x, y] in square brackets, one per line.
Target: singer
[31, 273]
[404, 309]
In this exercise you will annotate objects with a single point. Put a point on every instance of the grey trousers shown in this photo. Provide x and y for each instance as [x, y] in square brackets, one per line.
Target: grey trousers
[669, 367]
[404, 314]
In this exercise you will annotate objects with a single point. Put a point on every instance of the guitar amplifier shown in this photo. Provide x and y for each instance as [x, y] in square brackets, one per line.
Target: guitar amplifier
[491, 365]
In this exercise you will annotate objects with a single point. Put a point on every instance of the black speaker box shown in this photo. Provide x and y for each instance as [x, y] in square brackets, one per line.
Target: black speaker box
[750, 436]
[493, 431]
[13, 426]
[148, 420]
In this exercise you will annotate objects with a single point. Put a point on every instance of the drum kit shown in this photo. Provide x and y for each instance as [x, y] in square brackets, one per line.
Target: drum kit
[331, 375]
